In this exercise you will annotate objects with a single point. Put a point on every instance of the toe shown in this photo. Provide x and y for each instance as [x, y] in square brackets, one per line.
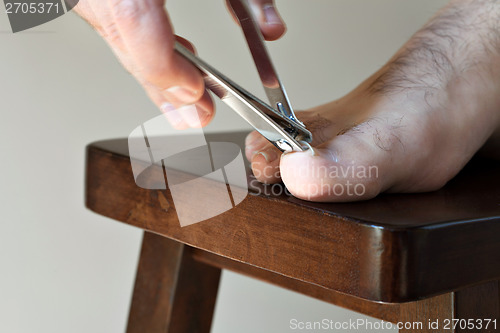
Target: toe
[254, 143]
[345, 169]
[266, 165]
[264, 158]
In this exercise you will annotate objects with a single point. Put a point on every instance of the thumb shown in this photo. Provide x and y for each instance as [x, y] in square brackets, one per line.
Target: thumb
[271, 24]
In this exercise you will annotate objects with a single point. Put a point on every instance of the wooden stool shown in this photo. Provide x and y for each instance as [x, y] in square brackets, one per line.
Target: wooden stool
[401, 258]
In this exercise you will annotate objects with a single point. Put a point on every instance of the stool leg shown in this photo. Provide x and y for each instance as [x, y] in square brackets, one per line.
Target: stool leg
[421, 315]
[173, 292]
[479, 302]
[478, 306]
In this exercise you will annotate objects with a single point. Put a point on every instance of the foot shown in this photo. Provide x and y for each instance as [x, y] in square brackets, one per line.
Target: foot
[410, 127]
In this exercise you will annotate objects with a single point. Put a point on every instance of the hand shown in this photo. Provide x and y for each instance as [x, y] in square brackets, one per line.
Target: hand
[140, 34]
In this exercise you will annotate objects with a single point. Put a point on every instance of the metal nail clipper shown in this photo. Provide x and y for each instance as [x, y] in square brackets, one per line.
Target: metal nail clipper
[277, 121]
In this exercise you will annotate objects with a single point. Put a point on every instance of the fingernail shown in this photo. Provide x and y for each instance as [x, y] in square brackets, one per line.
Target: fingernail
[181, 94]
[194, 115]
[172, 114]
[270, 15]
[270, 155]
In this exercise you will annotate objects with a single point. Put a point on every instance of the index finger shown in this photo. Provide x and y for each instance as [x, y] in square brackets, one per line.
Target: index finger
[148, 36]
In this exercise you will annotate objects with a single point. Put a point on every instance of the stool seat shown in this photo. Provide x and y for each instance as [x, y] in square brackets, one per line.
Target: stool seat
[396, 248]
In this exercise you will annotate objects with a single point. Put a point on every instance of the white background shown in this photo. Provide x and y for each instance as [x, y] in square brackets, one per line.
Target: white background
[64, 269]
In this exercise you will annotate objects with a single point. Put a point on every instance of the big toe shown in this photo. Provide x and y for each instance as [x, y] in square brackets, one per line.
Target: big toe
[345, 169]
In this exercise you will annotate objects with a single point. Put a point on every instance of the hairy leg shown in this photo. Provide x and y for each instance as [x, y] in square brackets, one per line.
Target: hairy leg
[412, 125]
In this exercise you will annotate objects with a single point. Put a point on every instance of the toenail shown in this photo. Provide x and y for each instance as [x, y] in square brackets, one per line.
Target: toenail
[254, 141]
[310, 148]
[269, 155]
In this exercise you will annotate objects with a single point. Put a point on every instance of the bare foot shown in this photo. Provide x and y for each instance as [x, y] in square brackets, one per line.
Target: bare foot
[411, 126]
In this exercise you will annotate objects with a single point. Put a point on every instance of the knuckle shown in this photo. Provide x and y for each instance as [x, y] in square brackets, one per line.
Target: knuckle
[107, 28]
[127, 11]
[110, 32]
[157, 77]
[167, 76]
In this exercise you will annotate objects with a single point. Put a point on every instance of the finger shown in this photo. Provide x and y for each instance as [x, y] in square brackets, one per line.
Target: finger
[270, 22]
[146, 32]
[205, 103]
[169, 111]
[199, 116]
[264, 158]
[183, 117]
[194, 116]
[187, 44]
[99, 16]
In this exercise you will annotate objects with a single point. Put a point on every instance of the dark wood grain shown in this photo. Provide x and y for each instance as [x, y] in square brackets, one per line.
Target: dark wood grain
[173, 292]
[455, 311]
[388, 312]
[395, 248]
[419, 315]
[427, 315]
[479, 302]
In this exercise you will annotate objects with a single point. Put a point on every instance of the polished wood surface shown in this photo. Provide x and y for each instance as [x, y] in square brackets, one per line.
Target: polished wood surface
[395, 248]
[173, 293]
[176, 288]
[479, 302]
[414, 258]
